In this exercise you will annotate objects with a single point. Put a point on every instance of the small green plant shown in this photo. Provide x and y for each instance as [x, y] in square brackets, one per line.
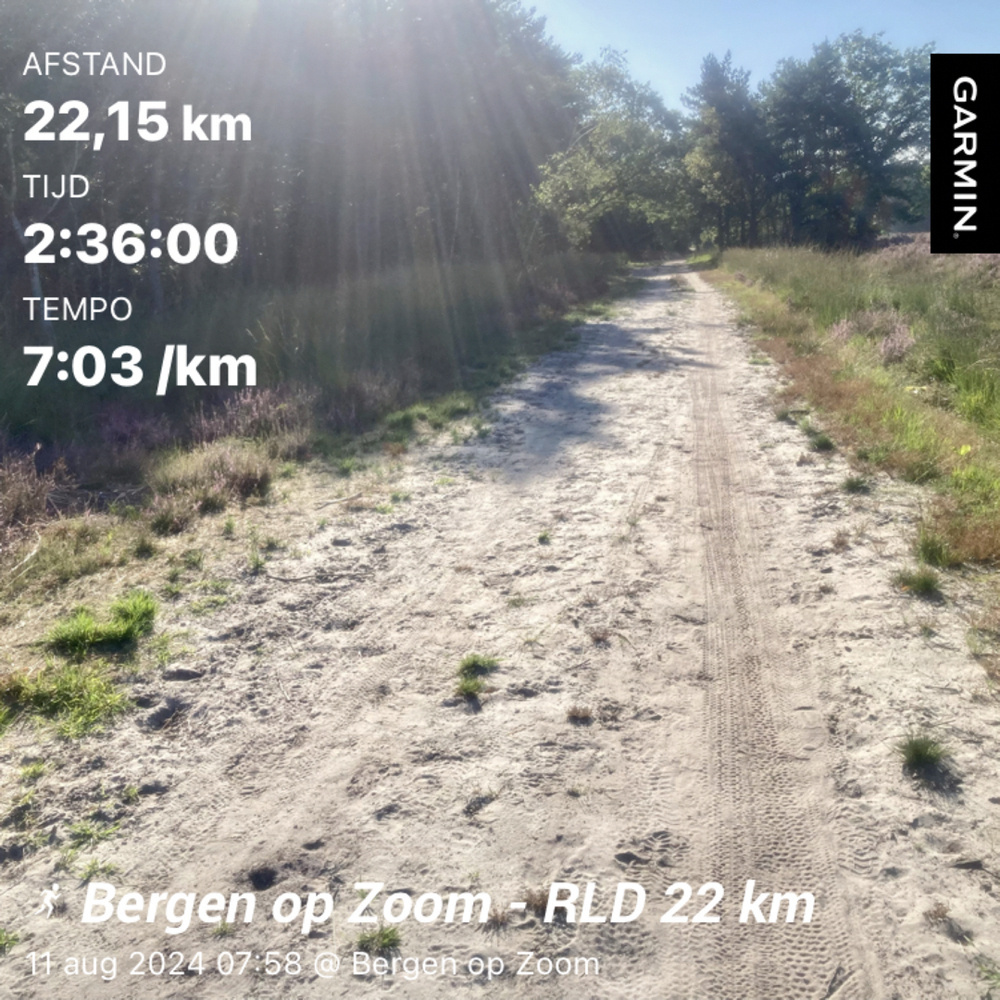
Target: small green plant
[130, 795]
[383, 508]
[544, 538]
[96, 869]
[921, 753]
[86, 833]
[145, 547]
[381, 941]
[228, 528]
[7, 940]
[255, 561]
[922, 582]
[477, 665]
[990, 972]
[206, 605]
[856, 484]
[222, 929]
[932, 549]
[130, 617]
[517, 601]
[22, 814]
[193, 558]
[30, 773]
[469, 687]
[818, 440]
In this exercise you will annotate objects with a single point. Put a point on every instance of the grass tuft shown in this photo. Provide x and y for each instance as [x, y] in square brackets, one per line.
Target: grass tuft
[921, 753]
[922, 582]
[130, 617]
[469, 687]
[380, 941]
[477, 665]
[856, 484]
[933, 549]
[75, 697]
[7, 940]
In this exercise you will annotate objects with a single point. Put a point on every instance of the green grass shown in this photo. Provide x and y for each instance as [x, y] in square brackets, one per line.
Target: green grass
[922, 582]
[129, 618]
[145, 547]
[75, 698]
[933, 549]
[545, 538]
[193, 558]
[471, 671]
[7, 940]
[921, 752]
[469, 687]
[856, 484]
[380, 941]
[477, 665]
[31, 773]
[818, 440]
[96, 869]
[87, 834]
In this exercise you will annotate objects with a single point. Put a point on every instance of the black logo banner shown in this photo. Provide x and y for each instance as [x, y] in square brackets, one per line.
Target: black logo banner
[965, 153]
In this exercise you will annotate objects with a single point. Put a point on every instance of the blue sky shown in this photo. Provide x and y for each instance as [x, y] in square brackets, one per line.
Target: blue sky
[666, 40]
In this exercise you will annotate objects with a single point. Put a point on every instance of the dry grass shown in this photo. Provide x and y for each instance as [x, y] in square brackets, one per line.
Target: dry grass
[497, 920]
[537, 900]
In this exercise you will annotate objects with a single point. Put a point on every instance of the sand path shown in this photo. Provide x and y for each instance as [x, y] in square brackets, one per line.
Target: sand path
[707, 593]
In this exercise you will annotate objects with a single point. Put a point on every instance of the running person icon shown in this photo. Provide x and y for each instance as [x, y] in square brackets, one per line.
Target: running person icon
[49, 897]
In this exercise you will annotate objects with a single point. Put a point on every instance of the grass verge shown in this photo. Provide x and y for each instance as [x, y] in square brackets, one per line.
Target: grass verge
[900, 352]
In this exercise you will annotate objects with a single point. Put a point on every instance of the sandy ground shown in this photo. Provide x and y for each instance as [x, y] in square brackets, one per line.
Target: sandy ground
[710, 595]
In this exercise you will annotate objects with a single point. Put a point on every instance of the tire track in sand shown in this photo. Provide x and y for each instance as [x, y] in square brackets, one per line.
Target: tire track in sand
[763, 790]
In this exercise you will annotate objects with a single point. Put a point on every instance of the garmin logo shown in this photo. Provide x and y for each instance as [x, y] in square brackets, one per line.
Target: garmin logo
[965, 91]
[965, 153]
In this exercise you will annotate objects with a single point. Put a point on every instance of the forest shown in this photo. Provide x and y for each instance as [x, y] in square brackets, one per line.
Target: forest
[425, 178]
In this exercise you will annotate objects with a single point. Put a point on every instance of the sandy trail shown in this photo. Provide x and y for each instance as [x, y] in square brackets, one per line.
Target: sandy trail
[743, 671]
